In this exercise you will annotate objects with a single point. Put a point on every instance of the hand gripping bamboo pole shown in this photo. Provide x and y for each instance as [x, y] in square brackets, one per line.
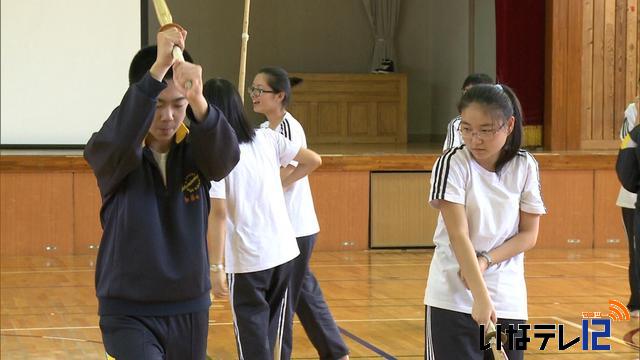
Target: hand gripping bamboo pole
[165, 19]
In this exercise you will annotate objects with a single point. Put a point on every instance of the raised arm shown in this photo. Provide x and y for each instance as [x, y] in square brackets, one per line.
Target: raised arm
[116, 149]
[215, 145]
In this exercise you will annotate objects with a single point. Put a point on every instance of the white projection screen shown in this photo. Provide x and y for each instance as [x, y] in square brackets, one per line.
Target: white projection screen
[64, 67]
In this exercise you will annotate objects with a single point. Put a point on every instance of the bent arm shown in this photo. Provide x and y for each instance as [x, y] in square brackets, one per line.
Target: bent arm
[307, 162]
[524, 240]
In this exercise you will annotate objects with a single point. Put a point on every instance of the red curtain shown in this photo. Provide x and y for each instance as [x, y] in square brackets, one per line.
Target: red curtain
[520, 53]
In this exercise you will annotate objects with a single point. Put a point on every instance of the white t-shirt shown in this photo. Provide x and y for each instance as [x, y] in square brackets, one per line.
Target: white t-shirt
[626, 198]
[492, 204]
[453, 136]
[161, 159]
[259, 233]
[298, 195]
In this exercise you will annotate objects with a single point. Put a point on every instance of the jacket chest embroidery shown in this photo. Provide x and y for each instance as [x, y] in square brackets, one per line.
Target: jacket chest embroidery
[190, 186]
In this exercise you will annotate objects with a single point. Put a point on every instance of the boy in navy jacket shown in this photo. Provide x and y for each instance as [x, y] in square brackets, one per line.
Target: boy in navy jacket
[152, 273]
[628, 169]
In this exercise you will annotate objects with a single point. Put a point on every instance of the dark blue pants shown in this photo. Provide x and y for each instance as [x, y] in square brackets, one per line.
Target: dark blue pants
[259, 303]
[156, 337]
[632, 228]
[454, 335]
[311, 308]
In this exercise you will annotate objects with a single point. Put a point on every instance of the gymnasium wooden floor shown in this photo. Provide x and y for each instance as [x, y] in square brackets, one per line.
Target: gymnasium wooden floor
[48, 306]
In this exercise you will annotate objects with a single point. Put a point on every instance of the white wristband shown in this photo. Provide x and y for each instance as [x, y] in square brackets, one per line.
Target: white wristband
[217, 267]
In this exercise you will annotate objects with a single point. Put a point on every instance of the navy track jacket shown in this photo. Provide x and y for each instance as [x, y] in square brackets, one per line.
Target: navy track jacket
[628, 163]
[153, 254]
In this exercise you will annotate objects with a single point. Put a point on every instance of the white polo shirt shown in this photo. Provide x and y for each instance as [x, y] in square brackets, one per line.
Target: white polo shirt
[492, 204]
[298, 196]
[259, 233]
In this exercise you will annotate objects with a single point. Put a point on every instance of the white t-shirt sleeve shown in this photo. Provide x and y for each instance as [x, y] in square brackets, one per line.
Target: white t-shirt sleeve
[448, 178]
[629, 122]
[531, 198]
[286, 149]
[453, 136]
[293, 131]
[217, 190]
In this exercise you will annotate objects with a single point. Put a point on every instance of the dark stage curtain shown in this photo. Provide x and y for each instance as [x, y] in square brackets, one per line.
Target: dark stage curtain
[520, 53]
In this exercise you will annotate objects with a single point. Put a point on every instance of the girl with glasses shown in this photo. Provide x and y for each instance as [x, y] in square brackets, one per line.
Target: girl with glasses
[488, 194]
[270, 94]
[453, 138]
[250, 229]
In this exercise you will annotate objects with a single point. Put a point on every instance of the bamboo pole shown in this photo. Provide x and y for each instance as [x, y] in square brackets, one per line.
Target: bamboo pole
[243, 49]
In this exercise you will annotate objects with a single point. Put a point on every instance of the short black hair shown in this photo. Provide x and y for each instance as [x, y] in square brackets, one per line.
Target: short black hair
[477, 79]
[144, 59]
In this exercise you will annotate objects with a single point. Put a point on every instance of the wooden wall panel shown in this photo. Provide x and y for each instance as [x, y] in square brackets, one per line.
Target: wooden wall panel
[328, 121]
[609, 69]
[354, 108]
[87, 230]
[607, 218]
[633, 57]
[36, 211]
[556, 58]
[587, 73]
[388, 114]
[620, 96]
[342, 205]
[598, 69]
[567, 195]
[591, 50]
[303, 115]
[358, 118]
[400, 213]
[573, 87]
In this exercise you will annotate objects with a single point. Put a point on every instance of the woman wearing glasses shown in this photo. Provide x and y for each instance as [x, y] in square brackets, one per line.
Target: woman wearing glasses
[270, 93]
[488, 194]
[250, 229]
[453, 138]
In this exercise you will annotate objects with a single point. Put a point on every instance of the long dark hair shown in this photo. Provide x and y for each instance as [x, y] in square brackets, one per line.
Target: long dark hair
[279, 80]
[224, 95]
[502, 103]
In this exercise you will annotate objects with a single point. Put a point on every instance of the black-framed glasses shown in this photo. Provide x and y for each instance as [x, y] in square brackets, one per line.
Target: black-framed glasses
[256, 92]
[484, 134]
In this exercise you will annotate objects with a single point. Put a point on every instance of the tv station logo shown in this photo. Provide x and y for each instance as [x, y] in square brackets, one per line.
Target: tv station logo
[595, 328]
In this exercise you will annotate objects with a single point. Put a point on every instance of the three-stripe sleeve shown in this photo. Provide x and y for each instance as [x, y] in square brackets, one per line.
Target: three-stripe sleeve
[448, 178]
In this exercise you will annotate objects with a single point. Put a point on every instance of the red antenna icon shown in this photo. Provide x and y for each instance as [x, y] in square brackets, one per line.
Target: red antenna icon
[619, 312]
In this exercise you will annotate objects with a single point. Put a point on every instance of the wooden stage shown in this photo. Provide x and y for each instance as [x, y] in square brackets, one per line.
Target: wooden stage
[366, 196]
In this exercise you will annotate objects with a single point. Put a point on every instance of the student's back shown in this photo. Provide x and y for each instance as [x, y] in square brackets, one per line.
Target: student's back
[258, 226]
